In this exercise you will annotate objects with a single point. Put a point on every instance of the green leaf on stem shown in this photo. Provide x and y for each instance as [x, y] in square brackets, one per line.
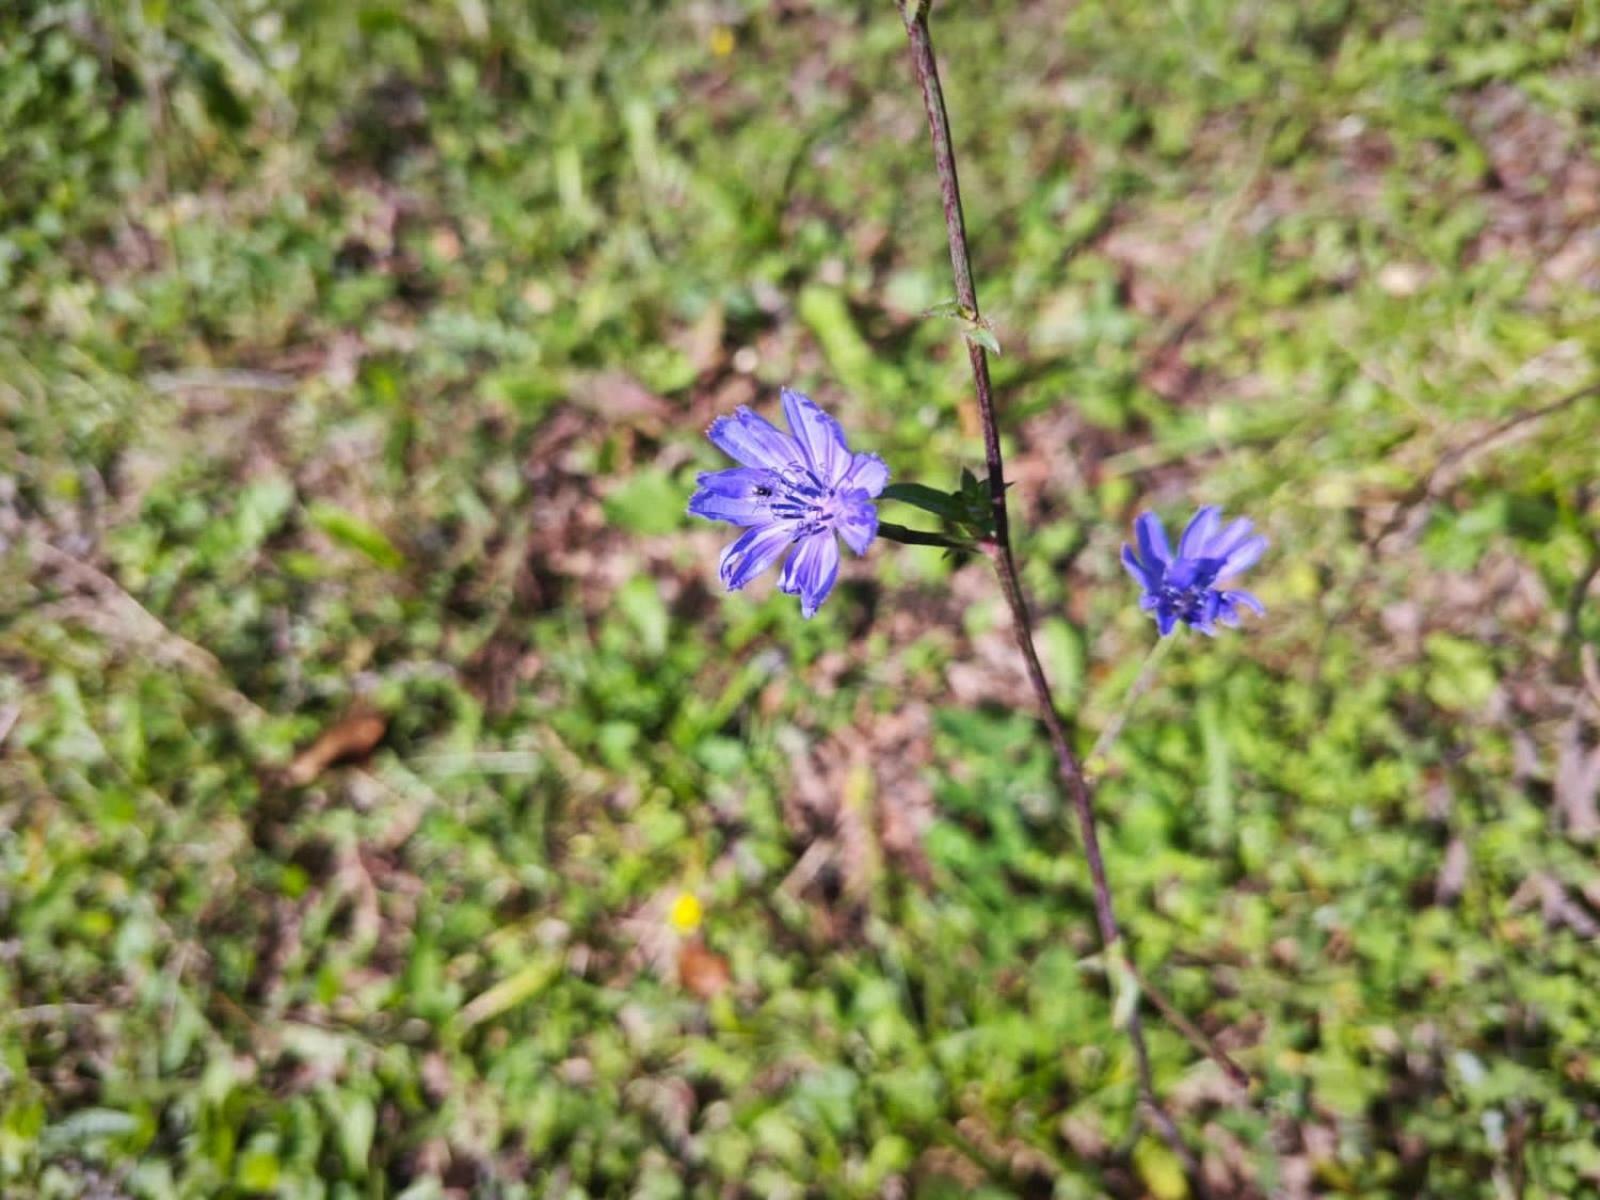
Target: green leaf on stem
[975, 327]
[976, 504]
[931, 500]
[1124, 985]
[921, 537]
[969, 513]
[981, 333]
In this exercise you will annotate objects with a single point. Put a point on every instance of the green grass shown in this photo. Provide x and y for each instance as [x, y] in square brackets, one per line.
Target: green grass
[354, 359]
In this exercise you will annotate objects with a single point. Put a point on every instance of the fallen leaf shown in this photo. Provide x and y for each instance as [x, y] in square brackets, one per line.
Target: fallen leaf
[352, 736]
[702, 971]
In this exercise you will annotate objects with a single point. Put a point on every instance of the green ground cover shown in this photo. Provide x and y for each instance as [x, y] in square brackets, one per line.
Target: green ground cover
[368, 707]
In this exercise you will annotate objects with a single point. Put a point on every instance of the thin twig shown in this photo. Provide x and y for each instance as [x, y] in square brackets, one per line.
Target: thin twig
[43, 1014]
[225, 380]
[1068, 768]
[1453, 463]
[137, 625]
[145, 628]
[1411, 510]
[1191, 1031]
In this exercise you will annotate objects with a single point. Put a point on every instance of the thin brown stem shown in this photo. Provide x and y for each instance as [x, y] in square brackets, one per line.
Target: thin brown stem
[956, 231]
[1067, 766]
[1197, 1036]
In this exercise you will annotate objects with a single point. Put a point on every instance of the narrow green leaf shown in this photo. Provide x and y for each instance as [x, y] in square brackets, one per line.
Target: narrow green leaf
[827, 314]
[940, 504]
[356, 534]
[358, 1122]
[521, 986]
[919, 537]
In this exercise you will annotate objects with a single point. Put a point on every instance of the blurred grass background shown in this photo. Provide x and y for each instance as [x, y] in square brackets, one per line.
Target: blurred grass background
[392, 805]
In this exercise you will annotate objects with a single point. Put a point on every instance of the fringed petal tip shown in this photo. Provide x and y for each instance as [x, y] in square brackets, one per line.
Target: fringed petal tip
[811, 571]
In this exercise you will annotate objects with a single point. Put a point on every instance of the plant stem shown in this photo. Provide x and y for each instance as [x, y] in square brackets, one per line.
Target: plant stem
[1095, 759]
[1071, 773]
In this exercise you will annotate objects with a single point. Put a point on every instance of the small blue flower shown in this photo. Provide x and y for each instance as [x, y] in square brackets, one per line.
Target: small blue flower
[1184, 587]
[793, 489]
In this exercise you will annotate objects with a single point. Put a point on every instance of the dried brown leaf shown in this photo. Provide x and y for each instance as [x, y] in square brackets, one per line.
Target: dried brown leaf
[352, 736]
[703, 971]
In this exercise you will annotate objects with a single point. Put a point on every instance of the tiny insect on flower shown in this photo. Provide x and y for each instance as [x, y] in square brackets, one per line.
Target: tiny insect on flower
[791, 490]
[1183, 586]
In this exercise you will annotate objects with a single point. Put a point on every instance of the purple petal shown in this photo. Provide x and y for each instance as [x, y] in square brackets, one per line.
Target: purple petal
[858, 520]
[867, 472]
[1152, 540]
[753, 553]
[810, 571]
[1183, 572]
[1227, 540]
[819, 435]
[1166, 620]
[1198, 533]
[754, 441]
[739, 495]
[1243, 556]
[1248, 600]
[1145, 579]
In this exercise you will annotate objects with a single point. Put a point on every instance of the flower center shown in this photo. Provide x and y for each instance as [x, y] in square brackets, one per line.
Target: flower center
[1185, 602]
[803, 498]
[1188, 601]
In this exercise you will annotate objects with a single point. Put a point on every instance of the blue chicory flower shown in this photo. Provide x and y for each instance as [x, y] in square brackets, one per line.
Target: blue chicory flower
[793, 489]
[1183, 587]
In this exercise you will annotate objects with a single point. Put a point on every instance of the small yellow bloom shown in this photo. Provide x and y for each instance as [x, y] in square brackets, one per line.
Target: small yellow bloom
[722, 41]
[685, 913]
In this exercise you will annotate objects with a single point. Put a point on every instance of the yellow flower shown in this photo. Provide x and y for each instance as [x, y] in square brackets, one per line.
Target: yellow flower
[685, 912]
